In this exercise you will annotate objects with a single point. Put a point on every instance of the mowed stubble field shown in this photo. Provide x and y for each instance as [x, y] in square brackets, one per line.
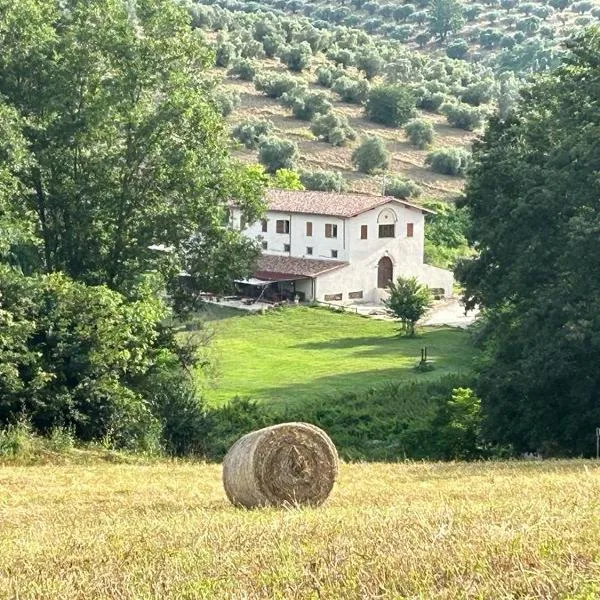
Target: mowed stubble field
[413, 530]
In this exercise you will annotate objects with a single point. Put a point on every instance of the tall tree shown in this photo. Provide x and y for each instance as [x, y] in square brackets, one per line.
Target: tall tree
[128, 152]
[445, 16]
[534, 196]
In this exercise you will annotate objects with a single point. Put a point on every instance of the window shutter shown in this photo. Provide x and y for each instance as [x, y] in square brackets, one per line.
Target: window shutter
[308, 229]
[410, 229]
[328, 230]
[364, 229]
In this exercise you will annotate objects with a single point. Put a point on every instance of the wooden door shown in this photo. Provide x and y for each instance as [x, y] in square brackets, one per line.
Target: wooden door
[385, 272]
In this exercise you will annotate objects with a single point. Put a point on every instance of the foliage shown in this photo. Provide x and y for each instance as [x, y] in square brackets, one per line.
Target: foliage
[390, 104]
[275, 153]
[419, 132]
[79, 356]
[275, 86]
[243, 69]
[226, 101]
[251, 132]
[126, 149]
[463, 116]
[351, 90]
[306, 106]
[533, 196]
[402, 188]
[297, 58]
[449, 161]
[445, 17]
[286, 179]
[408, 302]
[371, 155]
[323, 181]
[333, 128]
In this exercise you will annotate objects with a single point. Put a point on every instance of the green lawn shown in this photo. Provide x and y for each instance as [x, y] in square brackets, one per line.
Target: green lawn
[296, 353]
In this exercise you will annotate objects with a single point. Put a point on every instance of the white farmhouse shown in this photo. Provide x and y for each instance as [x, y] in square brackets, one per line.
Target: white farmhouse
[339, 247]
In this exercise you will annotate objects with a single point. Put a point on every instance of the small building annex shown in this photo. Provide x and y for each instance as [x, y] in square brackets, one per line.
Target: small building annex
[343, 248]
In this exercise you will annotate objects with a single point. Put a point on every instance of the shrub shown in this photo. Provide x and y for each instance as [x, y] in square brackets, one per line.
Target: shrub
[243, 69]
[430, 101]
[457, 49]
[351, 90]
[391, 105]
[332, 128]
[371, 155]
[274, 86]
[251, 132]
[463, 116]
[419, 132]
[224, 54]
[449, 161]
[408, 302]
[275, 154]
[307, 106]
[402, 188]
[226, 101]
[370, 63]
[323, 181]
[297, 58]
[480, 92]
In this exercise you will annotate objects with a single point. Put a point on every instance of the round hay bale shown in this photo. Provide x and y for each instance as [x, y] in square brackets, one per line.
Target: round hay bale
[292, 464]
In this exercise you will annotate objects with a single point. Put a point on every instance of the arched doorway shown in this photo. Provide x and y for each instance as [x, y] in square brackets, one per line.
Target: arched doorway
[385, 272]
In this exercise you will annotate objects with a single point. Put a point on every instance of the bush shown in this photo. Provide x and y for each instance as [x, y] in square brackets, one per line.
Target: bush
[80, 357]
[275, 86]
[224, 54]
[391, 105]
[463, 116]
[449, 161]
[275, 154]
[428, 100]
[371, 155]
[419, 133]
[478, 93]
[323, 181]
[402, 188]
[370, 64]
[307, 106]
[408, 302]
[333, 128]
[457, 49]
[251, 132]
[351, 90]
[243, 69]
[297, 58]
[226, 101]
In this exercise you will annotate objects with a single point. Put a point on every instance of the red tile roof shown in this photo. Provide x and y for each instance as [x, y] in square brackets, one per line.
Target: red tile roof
[329, 203]
[271, 267]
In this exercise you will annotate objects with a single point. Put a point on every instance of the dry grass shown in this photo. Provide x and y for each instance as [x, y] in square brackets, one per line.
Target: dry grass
[505, 530]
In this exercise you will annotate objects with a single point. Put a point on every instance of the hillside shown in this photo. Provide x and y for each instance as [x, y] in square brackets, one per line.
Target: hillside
[469, 69]
[409, 530]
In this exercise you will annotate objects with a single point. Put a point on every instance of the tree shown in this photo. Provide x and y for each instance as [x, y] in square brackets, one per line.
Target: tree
[126, 148]
[449, 161]
[391, 105]
[533, 196]
[275, 154]
[445, 16]
[402, 188]
[462, 116]
[420, 132]
[323, 181]
[333, 128]
[371, 155]
[297, 58]
[408, 302]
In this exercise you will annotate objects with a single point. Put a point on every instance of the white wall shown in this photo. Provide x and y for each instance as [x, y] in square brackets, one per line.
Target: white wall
[297, 237]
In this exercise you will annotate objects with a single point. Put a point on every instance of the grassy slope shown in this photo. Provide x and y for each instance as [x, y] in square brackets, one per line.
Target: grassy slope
[297, 353]
[498, 530]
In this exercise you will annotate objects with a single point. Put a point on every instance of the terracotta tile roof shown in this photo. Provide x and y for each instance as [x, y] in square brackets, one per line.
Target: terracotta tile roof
[329, 203]
[271, 267]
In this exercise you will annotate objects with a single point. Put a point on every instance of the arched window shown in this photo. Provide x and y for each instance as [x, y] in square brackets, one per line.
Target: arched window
[387, 223]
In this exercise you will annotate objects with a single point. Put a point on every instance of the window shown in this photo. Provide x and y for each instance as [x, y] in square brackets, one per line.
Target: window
[264, 225]
[265, 245]
[355, 295]
[329, 297]
[282, 226]
[334, 254]
[286, 247]
[309, 250]
[330, 230]
[387, 231]
[364, 232]
[410, 229]
[308, 229]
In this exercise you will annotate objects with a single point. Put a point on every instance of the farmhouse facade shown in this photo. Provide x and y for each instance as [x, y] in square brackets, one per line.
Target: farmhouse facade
[341, 248]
